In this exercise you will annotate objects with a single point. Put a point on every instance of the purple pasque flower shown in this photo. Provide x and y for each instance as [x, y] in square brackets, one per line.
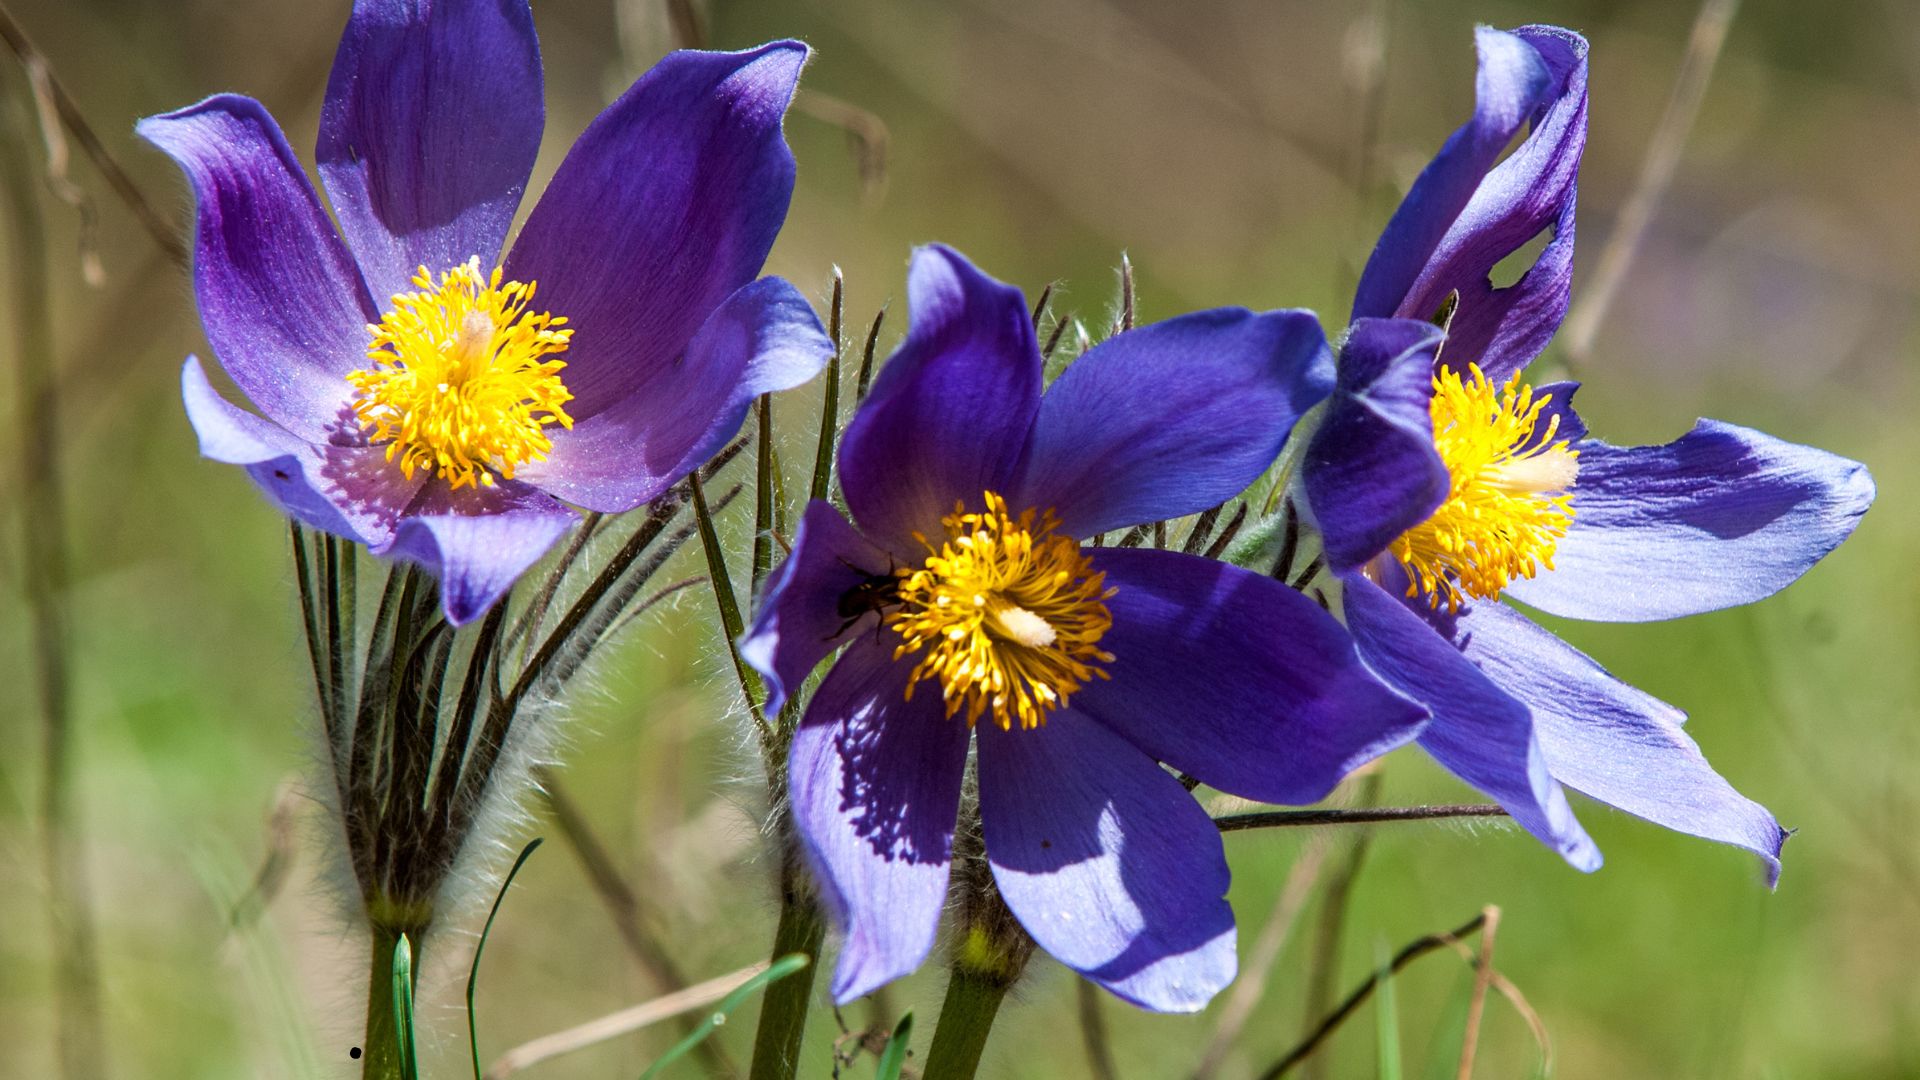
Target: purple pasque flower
[1440, 481]
[437, 404]
[962, 601]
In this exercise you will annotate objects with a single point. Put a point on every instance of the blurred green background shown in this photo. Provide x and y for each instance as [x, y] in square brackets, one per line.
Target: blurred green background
[1228, 150]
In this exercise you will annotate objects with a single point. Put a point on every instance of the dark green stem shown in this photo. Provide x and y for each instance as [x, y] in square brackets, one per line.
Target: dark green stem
[380, 1046]
[783, 1012]
[966, 1019]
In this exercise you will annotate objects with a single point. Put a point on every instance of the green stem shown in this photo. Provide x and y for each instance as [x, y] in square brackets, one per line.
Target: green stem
[783, 1012]
[966, 1018]
[380, 1046]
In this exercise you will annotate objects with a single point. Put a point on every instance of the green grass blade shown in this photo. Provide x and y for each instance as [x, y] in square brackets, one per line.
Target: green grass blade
[778, 970]
[830, 401]
[1387, 1017]
[894, 1057]
[403, 1008]
[473, 974]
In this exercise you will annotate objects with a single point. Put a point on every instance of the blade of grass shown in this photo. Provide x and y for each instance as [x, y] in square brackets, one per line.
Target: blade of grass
[830, 399]
[728, 602]
[1483, 977]
[479, 947]
[779, 969]
[894, 1057]
[403, 1008]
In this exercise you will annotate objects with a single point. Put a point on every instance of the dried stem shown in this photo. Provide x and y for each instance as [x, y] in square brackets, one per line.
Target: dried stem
[1482, 978]
[81, 1034]
[1324, 966]
[157, 228]
[1656, 172]
[624, 1022]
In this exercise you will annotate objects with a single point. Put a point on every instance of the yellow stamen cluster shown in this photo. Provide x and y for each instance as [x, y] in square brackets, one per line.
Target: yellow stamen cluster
[1005, 614]
[462, 380]
[1510, 499]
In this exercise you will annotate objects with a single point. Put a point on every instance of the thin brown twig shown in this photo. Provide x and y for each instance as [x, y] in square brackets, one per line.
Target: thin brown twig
[1414, 950]
[71, 118]
[1482, 978]
[1269, 819]
[614, 1025]
[1252, 984]
[1656, 172]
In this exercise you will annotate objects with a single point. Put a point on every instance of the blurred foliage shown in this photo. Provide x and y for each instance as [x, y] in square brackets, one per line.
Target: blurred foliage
[1217, 144]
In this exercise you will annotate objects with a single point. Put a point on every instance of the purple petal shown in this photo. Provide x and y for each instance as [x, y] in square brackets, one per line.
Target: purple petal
[1608, 740]
[948, 417]
[876, 789]
[1370, 471]
[764, 338]
[667, 204]
[283, 304]
[1724, 515]
[1236, 679]
[478, 541]
[800, 619]
[430, 127]
[1172, 418]
[349, 491]
[1556, 414]
[1478, 732]
[1107, 861]
[1532, 191]
[1512, 82]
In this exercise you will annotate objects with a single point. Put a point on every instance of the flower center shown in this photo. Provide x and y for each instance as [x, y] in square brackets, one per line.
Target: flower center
[1005, 614]
[1509, 502]
[462, 378]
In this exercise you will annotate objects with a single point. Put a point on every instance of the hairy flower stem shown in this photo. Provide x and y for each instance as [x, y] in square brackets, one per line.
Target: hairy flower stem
[380, 1046]
[989, 957]
[783, 1011]
[966, 1019]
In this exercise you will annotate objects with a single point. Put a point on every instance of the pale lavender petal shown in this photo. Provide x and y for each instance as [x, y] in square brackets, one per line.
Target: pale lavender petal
[876, 790]
[1479, 732]
[1724, 515]
[1608, 740]
[1107, 861]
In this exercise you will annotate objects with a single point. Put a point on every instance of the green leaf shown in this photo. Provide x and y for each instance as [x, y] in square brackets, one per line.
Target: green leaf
[473, 974]
[894, 1057]
[403, 1008]
[779, 969]
[1387, 1019]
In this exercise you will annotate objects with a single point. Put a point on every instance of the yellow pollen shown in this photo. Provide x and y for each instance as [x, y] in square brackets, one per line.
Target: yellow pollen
[463, 379]
[1005, 614]
[1509, 501]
